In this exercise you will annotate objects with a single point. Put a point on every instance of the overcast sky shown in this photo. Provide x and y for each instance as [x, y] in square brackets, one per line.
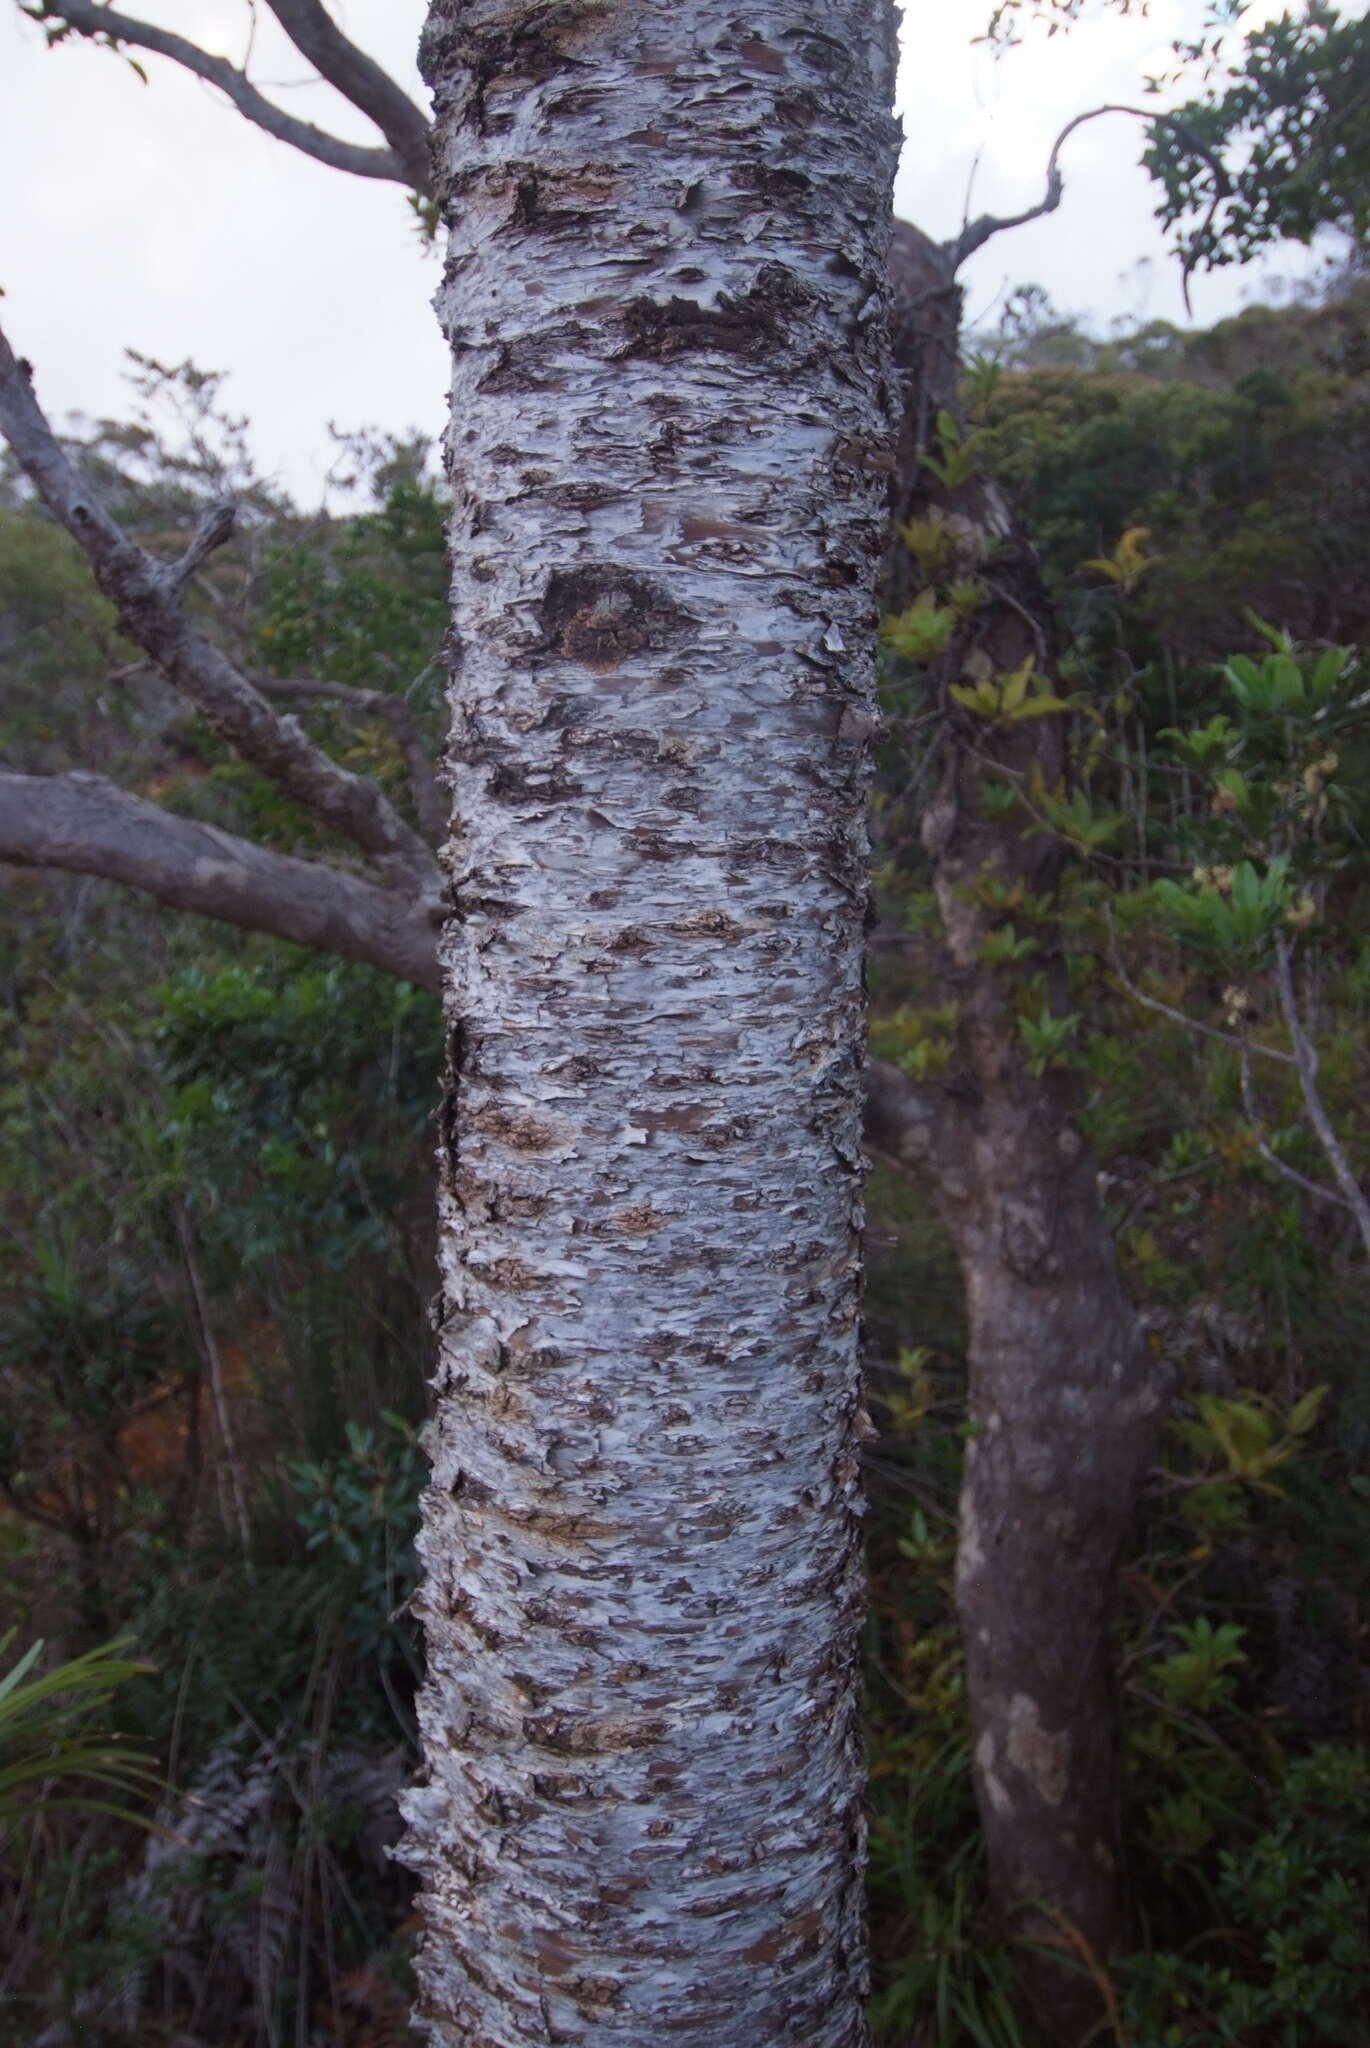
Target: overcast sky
[154, 217]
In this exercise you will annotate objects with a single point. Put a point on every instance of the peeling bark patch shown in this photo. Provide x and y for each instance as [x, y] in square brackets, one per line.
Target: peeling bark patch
[592, 1735]
[993, 1785]
[599, 615]
[639, 1221]
[511, 784]
[552, 206]
[524, 44]
[520, 1130]
[771, 181]
[1042, 1758]
[751, 324]
[660, 329]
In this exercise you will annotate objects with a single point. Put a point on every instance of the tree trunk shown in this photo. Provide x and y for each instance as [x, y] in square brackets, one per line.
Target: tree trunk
[669, 455]
[1064, 1395]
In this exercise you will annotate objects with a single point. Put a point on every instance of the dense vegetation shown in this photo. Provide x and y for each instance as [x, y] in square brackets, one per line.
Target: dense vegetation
[216, 1241]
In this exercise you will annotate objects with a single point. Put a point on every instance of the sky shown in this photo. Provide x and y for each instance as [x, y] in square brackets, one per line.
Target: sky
[152, 216]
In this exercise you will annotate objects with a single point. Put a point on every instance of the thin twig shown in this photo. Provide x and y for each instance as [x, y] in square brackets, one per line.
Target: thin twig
[1306, 1061]
[1267, 1150]
[214, 1360]
[1147, 1002]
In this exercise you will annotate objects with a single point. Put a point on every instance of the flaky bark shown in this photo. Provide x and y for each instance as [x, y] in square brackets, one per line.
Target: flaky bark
[668, 452]
[1064, 1395]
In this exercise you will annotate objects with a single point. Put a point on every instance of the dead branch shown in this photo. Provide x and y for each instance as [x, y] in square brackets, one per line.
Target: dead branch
[1306, 1061]
[976, 233]
[361, 80]
[87, 825]
[429, 801]
[86, 18]
[146, 594]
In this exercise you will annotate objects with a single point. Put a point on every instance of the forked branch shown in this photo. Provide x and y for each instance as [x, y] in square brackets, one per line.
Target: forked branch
[430, 804]
[977, 232]
[146, 594]
[315, 34]
[403, 162]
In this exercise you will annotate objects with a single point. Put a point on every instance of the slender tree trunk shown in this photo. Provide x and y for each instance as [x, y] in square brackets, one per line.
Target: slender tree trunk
[1064, 1395]
[668, 448]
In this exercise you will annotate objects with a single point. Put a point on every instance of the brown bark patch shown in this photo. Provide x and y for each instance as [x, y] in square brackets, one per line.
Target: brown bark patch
[550, 205]
[600, 614]
[749, 324]
[519, 1129]
[592, 1734]
[641, 1220]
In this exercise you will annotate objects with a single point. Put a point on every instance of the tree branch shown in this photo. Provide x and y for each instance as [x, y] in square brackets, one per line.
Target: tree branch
[976, 233]
[86, 18]
[1267, 1150]
[429, 801]
[146, 594]
[361, 80]
[1267, 1052]
[87, 825]
[1306, 1060]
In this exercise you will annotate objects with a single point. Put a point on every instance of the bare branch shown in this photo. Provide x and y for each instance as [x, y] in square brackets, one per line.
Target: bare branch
[429, 801]
[1267, 1150]
[144, 593]
[86, 18]
[1267, 1052]
[86, 825]
[361, 80]
[1306, 1060]
[213, 530]
[976, 233]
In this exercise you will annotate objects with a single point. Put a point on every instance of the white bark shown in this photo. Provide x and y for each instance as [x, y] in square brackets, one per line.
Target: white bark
[668, 446]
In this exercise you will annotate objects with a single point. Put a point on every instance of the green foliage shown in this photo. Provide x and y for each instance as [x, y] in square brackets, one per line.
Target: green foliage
[364, 602]
[1010, 699]
[1217, 814]
[957, 458]
[1230, 917]
[1282, 150]
[1296, 1893]
[1195, 1675]
[362, 1508]
[299, 1092]
[1237, 450]
[46, 1740]
[1047, 1038]
[922, 632]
